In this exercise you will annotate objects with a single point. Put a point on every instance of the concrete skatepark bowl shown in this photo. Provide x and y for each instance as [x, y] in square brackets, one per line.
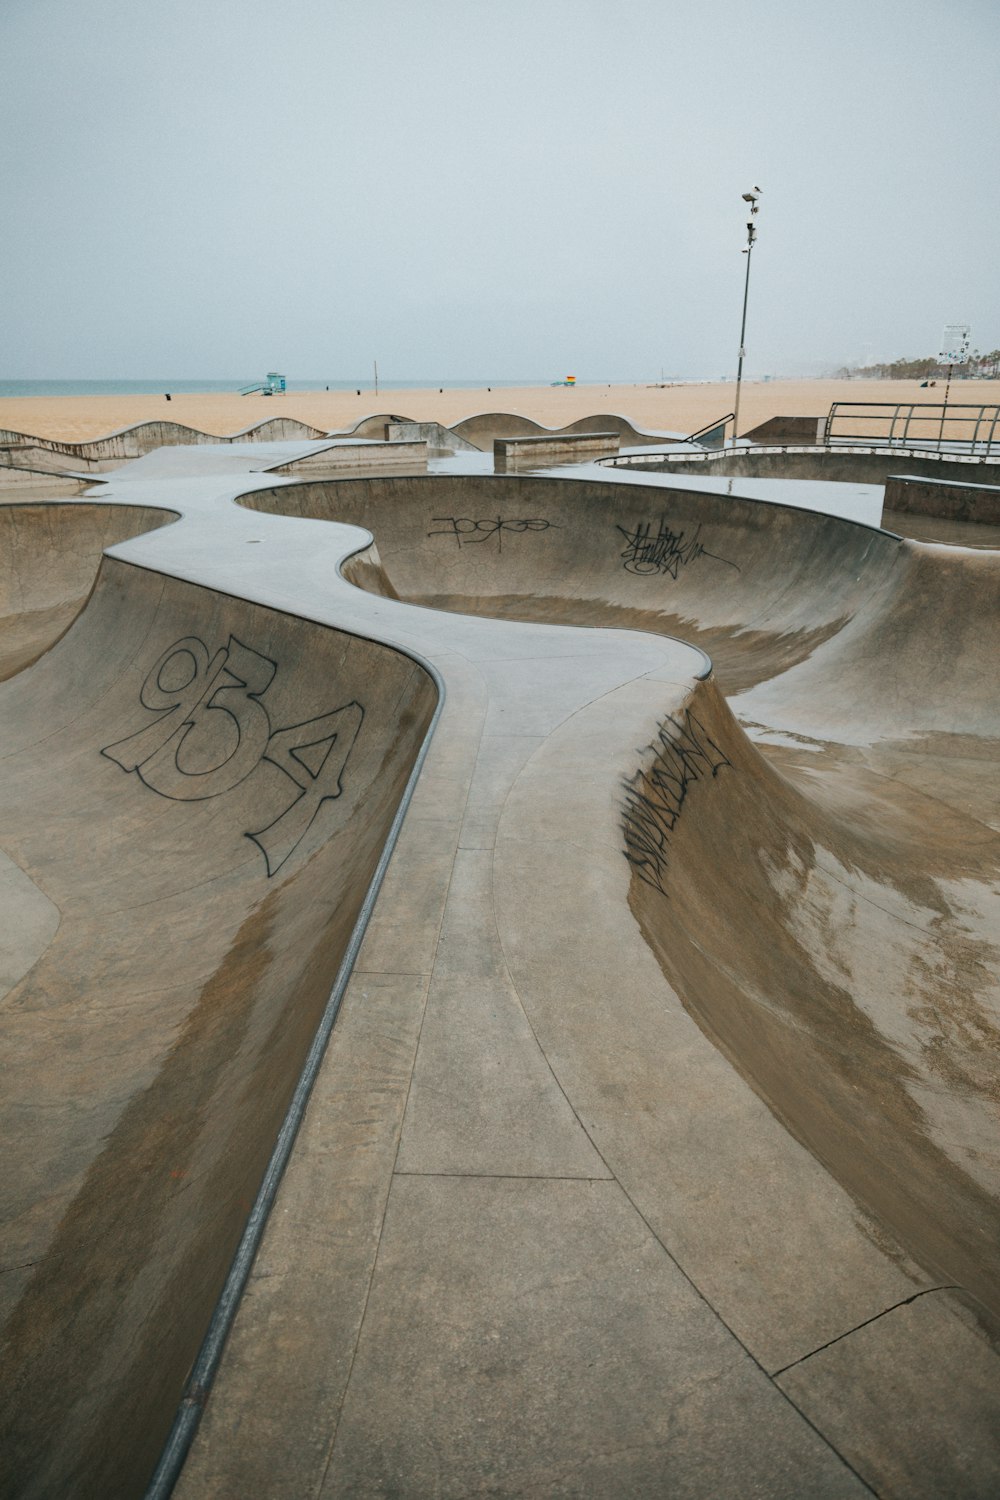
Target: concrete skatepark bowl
[655, 1147]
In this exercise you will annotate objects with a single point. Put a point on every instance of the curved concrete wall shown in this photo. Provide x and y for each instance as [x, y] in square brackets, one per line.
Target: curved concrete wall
[206, 866]
[807, 944]
[868, 656]
[18, 479]
[871, 466]
[49, 558]
[145, 437]
[30, 455]
[752, 585]
[948, 498]
[483, 430]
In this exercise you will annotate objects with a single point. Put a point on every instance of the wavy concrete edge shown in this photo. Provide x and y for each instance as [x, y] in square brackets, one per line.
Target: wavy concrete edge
[142, 437]
[483, 427]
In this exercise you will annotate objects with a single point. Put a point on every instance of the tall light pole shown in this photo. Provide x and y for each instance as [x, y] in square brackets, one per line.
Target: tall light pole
[750, 198]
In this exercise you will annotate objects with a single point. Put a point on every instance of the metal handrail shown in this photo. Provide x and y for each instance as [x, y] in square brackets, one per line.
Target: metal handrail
[901, 416]
[693, 437]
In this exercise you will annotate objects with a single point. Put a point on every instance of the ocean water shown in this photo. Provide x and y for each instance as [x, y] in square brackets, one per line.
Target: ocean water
[180, 387]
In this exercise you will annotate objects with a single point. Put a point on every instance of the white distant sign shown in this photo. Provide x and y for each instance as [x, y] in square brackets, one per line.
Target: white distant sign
[954, 344]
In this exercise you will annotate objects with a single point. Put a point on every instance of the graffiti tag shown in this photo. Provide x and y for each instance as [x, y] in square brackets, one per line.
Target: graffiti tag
[683, 753]
[213, 732]
[663, 551]
[466, 531]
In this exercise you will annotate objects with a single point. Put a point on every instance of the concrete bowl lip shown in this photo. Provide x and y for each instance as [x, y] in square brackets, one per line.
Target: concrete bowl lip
[888, 450]
[203, 1371]
[205, 1367]
[702, 675]
[355, 550]
[959, 484]
[589, 472]
[171, 512]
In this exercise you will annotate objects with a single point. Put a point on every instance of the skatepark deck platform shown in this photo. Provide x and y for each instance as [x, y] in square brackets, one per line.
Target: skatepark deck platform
[647, 839]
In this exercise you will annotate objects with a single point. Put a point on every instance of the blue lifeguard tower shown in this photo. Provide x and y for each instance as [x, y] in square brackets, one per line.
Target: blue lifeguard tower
[272, 385]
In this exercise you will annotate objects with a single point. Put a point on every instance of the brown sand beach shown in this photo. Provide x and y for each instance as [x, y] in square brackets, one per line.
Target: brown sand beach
[670, 408]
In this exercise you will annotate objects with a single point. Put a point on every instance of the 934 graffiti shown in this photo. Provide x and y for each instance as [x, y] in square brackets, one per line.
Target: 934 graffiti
[212, 732]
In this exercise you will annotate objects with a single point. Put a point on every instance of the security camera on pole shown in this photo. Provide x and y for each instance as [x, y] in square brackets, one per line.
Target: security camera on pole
[750, 198]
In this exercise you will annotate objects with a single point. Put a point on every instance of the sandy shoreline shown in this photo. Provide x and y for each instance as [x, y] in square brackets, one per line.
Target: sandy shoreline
[681, 408]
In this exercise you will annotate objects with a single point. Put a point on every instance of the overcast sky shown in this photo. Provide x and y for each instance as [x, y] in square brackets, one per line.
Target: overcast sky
[492, 188]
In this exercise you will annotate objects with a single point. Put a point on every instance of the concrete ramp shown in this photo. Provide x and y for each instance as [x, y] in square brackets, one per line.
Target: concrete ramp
[199, 790]
[757, 587]
[49, 558]
[39, 460]
[847, 870]
[17, 482]
[655, 1148]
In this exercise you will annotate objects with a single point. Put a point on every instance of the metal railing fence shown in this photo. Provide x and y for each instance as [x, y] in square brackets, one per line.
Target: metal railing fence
[903, 422]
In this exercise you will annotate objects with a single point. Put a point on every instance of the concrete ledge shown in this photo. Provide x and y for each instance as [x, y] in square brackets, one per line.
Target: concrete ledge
[26, 456]
[14, 477]
[533, 452]
[438, 439]
[788, 430]
[917, 496]
[362, 457]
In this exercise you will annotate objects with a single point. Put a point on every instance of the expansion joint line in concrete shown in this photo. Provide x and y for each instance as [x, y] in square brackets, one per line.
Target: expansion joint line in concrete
[875, 1318]
[391, 974]
[335, 1428]
[510, 1176]
[692, 1283]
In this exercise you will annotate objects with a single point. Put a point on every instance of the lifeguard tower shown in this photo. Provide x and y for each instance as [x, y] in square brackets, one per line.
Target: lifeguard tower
[272, 385]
